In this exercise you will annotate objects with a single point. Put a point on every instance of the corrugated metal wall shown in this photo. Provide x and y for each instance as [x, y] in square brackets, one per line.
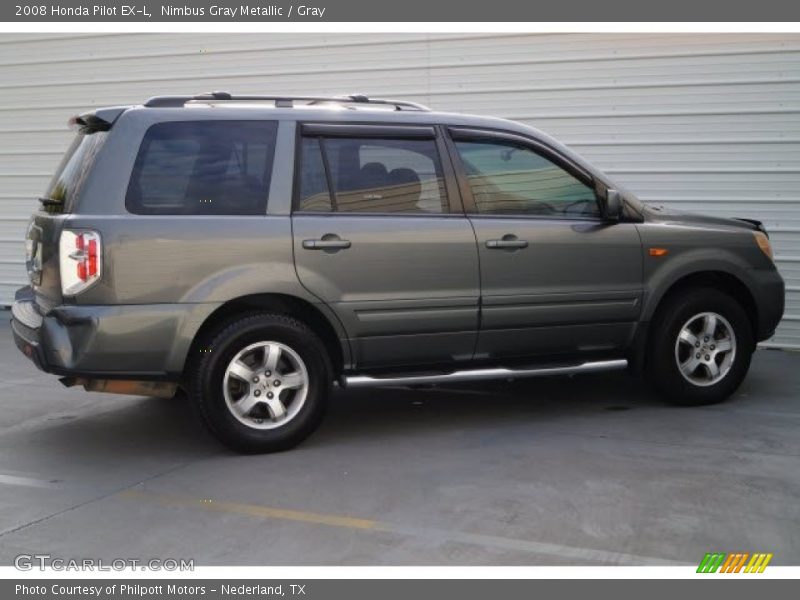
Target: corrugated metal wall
[699, 122]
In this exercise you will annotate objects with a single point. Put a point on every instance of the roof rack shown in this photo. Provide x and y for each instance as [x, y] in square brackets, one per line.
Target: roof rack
[286, 101]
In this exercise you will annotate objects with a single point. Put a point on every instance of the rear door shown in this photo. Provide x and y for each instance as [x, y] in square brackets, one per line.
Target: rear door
[44, 229]
[557, 279]
[380, 236]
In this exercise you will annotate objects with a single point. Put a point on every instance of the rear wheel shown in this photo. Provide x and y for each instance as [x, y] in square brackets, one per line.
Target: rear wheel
[700, 347]
[261, 382]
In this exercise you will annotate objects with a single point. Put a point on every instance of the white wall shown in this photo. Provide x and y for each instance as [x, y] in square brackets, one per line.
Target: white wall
[698, 122]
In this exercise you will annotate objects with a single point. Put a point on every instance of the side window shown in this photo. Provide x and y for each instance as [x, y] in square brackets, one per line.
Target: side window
[510, 179]
[371, 176]
[203, 167]
[314, 193]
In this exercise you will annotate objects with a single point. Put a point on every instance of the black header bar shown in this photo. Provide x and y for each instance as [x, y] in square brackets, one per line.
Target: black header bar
[249, 11]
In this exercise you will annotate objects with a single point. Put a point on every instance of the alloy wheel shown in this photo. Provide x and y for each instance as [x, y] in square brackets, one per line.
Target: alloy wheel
[265, 385]
[705, 349]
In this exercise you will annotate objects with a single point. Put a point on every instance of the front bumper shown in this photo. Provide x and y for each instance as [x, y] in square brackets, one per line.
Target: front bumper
[769, 293]
[145, 342]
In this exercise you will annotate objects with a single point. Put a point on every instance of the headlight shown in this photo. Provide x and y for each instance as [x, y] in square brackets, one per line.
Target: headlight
[763, 242]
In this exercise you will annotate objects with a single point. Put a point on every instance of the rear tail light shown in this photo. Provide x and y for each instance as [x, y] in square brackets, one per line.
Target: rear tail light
[80, 258]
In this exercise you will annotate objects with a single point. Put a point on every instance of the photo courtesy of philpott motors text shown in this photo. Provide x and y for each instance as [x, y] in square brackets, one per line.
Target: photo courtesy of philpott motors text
[100, 590]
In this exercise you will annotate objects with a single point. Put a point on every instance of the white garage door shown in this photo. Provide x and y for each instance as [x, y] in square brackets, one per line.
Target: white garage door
[707, 123]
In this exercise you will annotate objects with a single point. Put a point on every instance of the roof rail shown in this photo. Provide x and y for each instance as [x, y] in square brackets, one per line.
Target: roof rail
[286, 101]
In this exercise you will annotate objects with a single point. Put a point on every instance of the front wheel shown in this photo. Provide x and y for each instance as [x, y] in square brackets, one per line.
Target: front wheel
[700, 347]
[261, 382]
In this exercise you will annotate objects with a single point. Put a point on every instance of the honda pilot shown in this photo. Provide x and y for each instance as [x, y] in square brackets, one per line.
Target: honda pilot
[256, 251]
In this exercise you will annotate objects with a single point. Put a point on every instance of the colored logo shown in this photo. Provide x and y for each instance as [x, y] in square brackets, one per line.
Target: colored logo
[737, 562]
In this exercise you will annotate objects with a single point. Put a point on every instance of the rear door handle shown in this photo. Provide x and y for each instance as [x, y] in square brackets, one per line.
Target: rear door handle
[326, 244]
[507, 242]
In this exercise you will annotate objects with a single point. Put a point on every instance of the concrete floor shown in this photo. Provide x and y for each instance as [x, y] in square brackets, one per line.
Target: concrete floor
[590, 470]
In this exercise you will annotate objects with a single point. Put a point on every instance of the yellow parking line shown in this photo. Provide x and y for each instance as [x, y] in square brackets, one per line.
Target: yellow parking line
[252, 510]
[438, 536]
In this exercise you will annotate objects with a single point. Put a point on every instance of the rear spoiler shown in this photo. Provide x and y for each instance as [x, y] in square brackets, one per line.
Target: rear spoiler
[97, 120]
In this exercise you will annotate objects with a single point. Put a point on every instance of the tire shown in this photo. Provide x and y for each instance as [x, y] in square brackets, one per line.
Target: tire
[238, 412]
[690, 315]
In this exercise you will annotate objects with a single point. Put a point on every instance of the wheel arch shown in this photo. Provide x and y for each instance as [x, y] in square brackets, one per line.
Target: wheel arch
[324, 325]
[713, 277]
[721, 280]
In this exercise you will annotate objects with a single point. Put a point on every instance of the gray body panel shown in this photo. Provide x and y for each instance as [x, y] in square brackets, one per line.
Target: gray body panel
[704, 244]
[410, 291]
[576, 287]
[406, 290]
[143, 341]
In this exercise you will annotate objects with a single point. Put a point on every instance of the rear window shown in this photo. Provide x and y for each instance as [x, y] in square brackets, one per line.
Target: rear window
[72, 171]
[203, 167]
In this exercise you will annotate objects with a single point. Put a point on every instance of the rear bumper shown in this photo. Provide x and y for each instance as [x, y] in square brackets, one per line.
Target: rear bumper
[143, 342]
[25, 327]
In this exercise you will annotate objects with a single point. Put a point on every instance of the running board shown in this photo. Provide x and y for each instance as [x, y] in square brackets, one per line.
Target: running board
[356, 381]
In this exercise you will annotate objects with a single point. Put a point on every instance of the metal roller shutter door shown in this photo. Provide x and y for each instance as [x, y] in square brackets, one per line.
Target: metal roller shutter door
[708, 123]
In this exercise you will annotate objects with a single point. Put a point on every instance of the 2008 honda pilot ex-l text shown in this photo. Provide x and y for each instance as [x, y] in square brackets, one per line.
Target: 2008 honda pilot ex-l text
[255, 250]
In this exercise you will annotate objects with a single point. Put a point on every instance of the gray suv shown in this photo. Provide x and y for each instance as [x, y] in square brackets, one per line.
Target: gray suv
[257, 250]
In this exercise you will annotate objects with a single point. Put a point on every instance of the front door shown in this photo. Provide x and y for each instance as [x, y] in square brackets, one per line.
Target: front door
[556, 278]
[380, 238]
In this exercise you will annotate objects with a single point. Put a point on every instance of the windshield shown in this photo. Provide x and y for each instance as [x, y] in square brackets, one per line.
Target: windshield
[72, 171]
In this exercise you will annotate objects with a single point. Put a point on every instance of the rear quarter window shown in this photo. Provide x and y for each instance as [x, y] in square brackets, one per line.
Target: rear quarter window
[72, 172]
[203, 167]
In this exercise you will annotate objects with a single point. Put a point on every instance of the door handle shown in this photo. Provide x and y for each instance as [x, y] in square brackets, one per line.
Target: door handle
[326, 244]
[507, 242]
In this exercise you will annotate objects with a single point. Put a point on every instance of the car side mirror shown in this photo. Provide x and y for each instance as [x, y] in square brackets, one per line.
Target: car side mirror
[613, 206]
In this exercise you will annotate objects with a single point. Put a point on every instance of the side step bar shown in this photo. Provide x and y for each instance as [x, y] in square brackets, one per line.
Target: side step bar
[356, 381]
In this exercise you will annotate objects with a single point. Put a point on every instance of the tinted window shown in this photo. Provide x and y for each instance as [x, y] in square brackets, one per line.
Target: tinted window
[314, 193]
[72, 171]
[373, 176]
[203, 167]
[515, 180]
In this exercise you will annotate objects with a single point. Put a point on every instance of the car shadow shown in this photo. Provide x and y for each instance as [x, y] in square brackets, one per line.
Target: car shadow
[120, 431]
[428, 410]
[134, 429]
